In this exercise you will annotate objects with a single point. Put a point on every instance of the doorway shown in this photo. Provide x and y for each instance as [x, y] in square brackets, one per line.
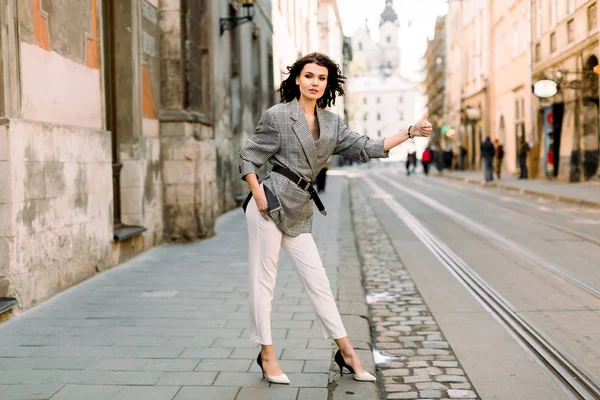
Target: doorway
[591, 133]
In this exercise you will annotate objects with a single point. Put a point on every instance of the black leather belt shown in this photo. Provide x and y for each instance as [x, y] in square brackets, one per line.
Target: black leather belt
[302, 184]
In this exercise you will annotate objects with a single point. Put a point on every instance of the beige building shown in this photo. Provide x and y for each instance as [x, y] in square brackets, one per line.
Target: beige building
[565, 49]
[468, 76]
[510, 83]
[435, 82]
[121, 126]
[475, 98]
[295, 33]
[451, 111]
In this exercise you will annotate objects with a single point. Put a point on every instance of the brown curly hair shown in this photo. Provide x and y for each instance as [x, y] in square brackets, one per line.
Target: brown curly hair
[289, 90]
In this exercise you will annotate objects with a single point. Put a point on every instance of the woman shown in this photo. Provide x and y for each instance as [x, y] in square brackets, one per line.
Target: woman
[297, 137]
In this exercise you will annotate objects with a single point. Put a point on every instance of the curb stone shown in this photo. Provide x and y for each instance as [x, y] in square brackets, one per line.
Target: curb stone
[354, 310]
[557, 197]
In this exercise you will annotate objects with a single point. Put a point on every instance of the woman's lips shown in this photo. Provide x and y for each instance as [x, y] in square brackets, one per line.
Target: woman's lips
[313, 90]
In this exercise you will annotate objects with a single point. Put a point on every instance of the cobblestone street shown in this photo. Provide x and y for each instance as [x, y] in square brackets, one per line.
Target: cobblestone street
[420, 364]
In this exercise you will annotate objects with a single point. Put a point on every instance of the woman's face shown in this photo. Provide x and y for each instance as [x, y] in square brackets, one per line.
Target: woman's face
[312, 81]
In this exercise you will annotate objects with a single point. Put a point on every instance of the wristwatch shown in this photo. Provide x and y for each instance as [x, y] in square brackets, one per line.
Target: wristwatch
[409, 135]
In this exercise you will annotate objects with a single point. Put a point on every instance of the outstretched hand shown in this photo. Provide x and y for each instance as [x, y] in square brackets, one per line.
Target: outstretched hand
[422, 127]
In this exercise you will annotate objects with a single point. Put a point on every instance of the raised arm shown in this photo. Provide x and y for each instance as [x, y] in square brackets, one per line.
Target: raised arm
[356, 146]
[362, 148]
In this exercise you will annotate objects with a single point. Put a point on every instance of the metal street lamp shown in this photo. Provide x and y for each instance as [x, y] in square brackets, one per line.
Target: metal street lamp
[230, 23]
[546, 87]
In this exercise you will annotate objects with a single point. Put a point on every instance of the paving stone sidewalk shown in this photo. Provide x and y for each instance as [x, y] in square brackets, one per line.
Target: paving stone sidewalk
[587, 194]
[417, 362]
[172, 324]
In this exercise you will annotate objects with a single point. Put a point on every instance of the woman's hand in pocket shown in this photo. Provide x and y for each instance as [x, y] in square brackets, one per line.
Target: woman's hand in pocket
[261, 202]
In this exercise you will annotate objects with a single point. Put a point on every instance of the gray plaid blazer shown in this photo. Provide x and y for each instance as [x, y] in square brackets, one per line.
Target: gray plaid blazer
[283, 137]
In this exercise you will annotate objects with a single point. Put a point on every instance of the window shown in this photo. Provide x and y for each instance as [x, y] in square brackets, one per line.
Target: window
[591, 15]
[522, 107]
[538, 52]
[365, 115]
[364, 100]
[570, 31]
[359, 46]
[378, 133]
[552, 42]
[517, 109]
[378, 99]
[378, 117]
[389, 39]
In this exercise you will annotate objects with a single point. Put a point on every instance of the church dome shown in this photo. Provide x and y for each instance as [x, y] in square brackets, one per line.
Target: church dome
[389, 14]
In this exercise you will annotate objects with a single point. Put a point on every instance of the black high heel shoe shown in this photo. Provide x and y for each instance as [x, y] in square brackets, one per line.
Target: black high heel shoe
[364, 377]
[281, 379]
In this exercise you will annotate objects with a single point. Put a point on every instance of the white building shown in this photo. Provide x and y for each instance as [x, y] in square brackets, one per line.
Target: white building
[380, 102]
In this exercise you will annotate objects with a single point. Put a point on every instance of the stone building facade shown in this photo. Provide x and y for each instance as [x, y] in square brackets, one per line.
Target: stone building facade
[121, 123]
[565, 48]
[510, 78]
[497, 51]
[435, 79]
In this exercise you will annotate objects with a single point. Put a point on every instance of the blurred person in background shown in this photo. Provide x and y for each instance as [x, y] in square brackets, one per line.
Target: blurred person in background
[322, 176]
[426, 159]
[499, 157]
[522, 153]
[487, 153]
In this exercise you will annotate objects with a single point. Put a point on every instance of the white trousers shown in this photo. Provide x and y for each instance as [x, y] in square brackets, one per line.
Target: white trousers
[265, 242]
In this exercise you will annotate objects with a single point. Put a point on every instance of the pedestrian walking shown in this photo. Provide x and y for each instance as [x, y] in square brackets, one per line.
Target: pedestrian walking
[448, 155]
[297, 137]
[426, 160]
[522, 153]
[411, 161]
[499, 157]
[487, 153]
[438, 158]
[462, 156]
[322, 176]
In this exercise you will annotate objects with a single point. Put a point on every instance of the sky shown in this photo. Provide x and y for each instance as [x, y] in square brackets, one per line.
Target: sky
[417, 23]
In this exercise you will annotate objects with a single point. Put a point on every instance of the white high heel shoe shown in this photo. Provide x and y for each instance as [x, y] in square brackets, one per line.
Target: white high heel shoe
[280, 379]
[363, 377]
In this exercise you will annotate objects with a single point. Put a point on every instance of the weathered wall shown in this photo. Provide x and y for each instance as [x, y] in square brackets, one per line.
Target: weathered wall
[56, 193]
[57, 205]
[186, 133]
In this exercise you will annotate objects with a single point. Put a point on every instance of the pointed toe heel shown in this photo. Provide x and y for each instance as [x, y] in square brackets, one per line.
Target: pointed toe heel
[363, 377]
[279, 379]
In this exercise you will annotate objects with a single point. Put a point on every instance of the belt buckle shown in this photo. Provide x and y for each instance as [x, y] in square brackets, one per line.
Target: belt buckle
[299, 183]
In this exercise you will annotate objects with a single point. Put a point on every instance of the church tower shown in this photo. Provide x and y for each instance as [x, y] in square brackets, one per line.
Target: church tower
[389, 27]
